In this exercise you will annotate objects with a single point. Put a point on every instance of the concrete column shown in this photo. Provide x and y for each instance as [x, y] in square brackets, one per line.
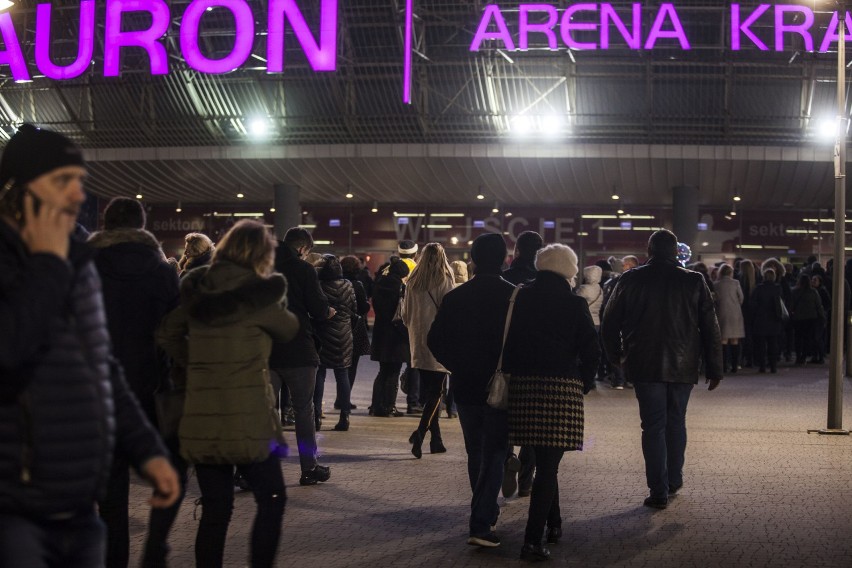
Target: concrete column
[685, 213]
[288, 210]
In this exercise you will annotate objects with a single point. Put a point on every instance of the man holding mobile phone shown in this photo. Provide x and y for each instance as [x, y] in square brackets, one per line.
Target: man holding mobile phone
[64, 404]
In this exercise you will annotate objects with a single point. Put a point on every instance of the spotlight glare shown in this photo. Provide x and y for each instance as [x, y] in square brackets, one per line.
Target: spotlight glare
[521, 125]
[240, 196]
[551, 125]
[138, 196]
[737, 198]
[259, 127]
[349, 196]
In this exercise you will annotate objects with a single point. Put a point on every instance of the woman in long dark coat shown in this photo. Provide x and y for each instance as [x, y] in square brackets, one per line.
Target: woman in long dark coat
[335, 335]
[360, 337]
[767, 322]
[551, 353]
[390, 345]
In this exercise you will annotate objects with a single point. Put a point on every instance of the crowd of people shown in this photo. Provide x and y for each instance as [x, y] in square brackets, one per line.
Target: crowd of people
[102, 337]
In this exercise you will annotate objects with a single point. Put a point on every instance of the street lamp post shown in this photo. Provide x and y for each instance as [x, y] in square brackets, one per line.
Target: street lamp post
[838, 314]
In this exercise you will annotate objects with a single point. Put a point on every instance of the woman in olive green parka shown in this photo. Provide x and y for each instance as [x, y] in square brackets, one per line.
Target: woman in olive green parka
[230, 314]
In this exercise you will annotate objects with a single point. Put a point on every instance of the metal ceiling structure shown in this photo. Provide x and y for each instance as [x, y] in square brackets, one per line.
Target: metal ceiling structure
[641, 120]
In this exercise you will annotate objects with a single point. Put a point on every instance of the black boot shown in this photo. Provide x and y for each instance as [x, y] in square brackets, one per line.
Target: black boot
[416, 441]
[342, 424]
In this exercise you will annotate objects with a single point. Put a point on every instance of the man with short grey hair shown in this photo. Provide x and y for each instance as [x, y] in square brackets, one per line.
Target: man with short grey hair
[659, 324]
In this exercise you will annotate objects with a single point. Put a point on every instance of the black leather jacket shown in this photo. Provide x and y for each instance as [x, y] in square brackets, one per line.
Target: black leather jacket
[658, 323]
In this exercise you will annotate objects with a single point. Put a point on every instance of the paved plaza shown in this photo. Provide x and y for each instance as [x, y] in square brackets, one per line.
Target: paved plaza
[759, 490]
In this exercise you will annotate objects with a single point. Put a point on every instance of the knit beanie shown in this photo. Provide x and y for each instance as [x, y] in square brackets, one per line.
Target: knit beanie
[407, 247]
[33, 152]
[557, 258]
[488, 251]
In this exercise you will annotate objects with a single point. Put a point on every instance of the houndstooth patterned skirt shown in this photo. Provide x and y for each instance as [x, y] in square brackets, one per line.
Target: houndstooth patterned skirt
[546, 411]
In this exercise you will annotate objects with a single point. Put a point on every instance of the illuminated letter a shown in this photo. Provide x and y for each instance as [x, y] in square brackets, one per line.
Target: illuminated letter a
[13, 57]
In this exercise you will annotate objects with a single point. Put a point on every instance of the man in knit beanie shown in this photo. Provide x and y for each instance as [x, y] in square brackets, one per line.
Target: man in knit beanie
[467, 337]
[57, 368]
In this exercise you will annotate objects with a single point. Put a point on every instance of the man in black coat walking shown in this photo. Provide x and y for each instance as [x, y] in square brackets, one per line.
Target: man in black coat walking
[658, 324]
[296, 362]
[467, 337]
[139, 288]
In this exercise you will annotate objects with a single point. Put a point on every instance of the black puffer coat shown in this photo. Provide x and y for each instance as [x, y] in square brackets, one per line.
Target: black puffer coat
[139, 289]
[389, 346]
[522, 271]
[335, 334]
[659, 321]
[65, 403]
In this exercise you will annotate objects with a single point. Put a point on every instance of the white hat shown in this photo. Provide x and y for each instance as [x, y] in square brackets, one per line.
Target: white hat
[407, 247]
[557, 258]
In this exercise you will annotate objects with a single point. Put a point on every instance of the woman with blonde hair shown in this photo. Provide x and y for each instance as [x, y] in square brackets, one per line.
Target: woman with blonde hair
[222, 333]
[430, 280]
[198, 251]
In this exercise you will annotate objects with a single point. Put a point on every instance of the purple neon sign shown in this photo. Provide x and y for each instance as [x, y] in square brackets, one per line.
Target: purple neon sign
[320, 50]
[586, 19]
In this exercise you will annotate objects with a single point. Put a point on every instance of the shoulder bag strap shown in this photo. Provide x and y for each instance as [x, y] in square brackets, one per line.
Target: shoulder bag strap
[506, 328]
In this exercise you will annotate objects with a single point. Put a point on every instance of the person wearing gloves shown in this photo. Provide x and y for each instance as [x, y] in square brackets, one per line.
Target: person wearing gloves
[551, 354]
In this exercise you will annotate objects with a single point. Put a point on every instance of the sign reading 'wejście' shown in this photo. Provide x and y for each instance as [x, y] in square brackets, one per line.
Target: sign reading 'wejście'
[764, 27]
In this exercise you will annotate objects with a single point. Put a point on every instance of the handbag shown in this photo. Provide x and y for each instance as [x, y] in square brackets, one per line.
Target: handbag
[396, 321]
[782, 309]
[498, 386]
[360, 337]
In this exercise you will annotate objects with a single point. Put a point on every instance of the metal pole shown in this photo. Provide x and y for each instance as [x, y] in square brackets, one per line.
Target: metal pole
[838, 315]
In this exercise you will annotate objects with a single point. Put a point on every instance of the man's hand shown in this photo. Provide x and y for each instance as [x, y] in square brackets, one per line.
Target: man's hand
[164, 478]
[713, 383]
[47, 230]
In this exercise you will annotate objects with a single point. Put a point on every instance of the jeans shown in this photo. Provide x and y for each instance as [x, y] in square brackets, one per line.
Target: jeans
[300, 382]
[353, 370]
[385, 388]
[544, 501]
[662, 408]
[432, 383]
[341, 376]
[412, 397]
[113, 509]
[217, 502]
[77, 542]
[486, 440]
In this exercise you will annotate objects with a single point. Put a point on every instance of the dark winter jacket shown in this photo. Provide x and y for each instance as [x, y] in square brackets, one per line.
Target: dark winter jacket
[388, 346]
[467, 334]
[521, 271]
[139, 289]
[658, 323]
[307, 302]
[806, 305]
[222, 333]
[361, 296]
[335, 334]
[766, 309]
[64, 404]
[552, 333]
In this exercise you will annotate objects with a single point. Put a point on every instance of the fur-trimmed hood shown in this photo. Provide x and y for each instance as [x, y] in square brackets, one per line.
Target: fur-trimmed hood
[224, 293]
[104, 239]
[126, 254]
